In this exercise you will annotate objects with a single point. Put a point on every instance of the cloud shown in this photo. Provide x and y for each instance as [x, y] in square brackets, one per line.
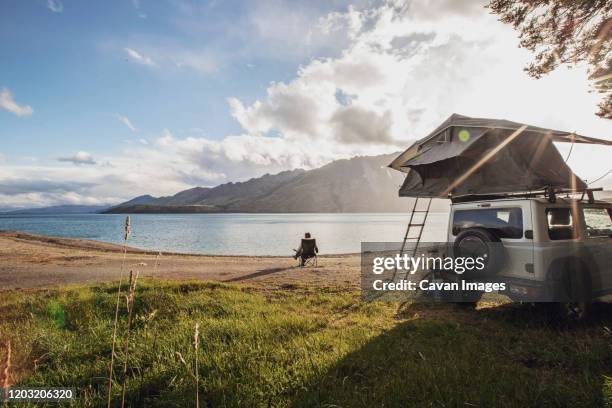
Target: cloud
[274, 30]
[138, 57]
[298, 30]
[8, 103]
[55, 6]
[18, 191]
[354, 124]
[16, 186]
[139, 169]
[126, 122]
[201, 61]
[436, 10]
[174, 56]
[287, 109]
[242, 156]
[137, 7]
[79, 158]
[407, 67]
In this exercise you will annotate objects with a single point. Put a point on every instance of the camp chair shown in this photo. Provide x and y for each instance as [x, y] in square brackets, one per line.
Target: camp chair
[309, 252]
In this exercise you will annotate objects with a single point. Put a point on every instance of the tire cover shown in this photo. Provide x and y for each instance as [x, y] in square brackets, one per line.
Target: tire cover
[475, 242]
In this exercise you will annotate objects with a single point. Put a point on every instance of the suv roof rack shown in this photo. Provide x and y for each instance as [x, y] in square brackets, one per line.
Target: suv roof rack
[549, 193]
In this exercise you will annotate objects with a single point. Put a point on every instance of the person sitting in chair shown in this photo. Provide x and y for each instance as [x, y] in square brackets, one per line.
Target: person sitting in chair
[308, 249]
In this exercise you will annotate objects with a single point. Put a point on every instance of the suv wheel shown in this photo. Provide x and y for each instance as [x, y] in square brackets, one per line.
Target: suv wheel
[576, 310]
[576, 290]
[480, 242]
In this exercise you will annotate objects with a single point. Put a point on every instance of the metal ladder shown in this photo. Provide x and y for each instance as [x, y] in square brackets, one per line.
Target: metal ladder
[411, 224]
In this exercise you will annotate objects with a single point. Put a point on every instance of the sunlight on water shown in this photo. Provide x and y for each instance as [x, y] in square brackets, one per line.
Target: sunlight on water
[235, 234]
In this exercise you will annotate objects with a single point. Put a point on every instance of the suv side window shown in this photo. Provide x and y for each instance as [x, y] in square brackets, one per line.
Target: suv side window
[561, 224]
[598, 222]
[503, 222]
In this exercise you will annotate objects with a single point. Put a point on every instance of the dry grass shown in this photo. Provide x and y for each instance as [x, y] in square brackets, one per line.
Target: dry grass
[196, 347]
[129, 300]
[126, 236]
[5, 367]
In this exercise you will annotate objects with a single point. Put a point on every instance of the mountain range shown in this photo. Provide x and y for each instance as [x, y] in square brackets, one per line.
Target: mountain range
[359, 184]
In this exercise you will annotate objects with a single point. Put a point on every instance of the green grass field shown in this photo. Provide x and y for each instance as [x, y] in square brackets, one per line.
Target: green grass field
[303, 347]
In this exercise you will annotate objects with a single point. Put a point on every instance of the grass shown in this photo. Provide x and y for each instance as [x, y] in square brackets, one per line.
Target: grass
[302, 347]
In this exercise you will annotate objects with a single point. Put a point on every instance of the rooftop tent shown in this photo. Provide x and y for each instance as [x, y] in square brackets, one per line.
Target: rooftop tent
[465, 156]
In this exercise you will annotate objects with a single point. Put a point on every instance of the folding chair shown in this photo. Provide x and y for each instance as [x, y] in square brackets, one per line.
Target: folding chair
[308, 256]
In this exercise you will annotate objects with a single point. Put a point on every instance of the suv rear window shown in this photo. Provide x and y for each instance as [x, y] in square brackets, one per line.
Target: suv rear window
[503, 222]
[598, 222]
[561, 224]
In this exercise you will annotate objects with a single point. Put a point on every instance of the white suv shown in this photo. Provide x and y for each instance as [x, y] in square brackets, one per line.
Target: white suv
[551, 250]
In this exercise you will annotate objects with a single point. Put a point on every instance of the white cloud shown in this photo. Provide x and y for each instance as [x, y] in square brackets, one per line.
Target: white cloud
[55, 6]
[274, 29]
[244, 156]
[79, 158]
[8, 103]
[137, 170]
[408, 66]
[174, 56]
[138, 57]
[137, 7]
[200, 61]
[297, 30]
[126, 121]
[354, 124]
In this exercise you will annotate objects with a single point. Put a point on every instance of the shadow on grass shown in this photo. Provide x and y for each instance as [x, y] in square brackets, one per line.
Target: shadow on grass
[511, 355]
[261, 272]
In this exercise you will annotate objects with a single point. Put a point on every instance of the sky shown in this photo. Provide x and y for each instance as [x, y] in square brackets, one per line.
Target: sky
[104, 101]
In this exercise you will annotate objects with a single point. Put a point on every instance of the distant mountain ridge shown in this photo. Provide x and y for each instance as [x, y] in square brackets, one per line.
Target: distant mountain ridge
[359, 184]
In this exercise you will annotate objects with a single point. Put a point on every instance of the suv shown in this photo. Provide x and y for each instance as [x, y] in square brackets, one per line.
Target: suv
[552, 250]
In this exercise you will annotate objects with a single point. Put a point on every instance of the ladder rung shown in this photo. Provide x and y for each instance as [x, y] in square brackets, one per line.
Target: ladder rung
[416, 239]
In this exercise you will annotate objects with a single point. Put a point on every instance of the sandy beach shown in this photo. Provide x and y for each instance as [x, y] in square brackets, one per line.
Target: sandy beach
[34, 261]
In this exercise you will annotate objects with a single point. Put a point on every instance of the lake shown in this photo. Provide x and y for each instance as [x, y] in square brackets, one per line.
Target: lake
[230, 234]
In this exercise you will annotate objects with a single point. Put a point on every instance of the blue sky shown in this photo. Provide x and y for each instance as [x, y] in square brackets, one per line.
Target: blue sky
[72, 67]
[102, 101]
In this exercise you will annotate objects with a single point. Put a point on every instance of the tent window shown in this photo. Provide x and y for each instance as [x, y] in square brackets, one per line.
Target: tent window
[444, 137]
[504, 222]
[561, 224]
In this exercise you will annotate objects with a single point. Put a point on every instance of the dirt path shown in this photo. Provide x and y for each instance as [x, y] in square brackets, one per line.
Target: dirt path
[32, 261]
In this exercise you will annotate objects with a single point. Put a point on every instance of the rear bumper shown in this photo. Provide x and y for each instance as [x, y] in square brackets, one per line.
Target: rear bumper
[526, 290]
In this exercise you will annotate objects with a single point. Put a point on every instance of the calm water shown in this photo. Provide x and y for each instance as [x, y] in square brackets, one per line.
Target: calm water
[231, 234]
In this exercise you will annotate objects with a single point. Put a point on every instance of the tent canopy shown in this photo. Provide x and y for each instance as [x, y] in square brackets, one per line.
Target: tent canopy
[487, 156]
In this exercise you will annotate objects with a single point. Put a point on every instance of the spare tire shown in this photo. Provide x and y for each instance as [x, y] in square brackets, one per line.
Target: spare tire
[480, 242]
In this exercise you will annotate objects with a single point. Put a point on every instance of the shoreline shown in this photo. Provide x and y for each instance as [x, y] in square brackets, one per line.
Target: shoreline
[35, 261]
[105, 246]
